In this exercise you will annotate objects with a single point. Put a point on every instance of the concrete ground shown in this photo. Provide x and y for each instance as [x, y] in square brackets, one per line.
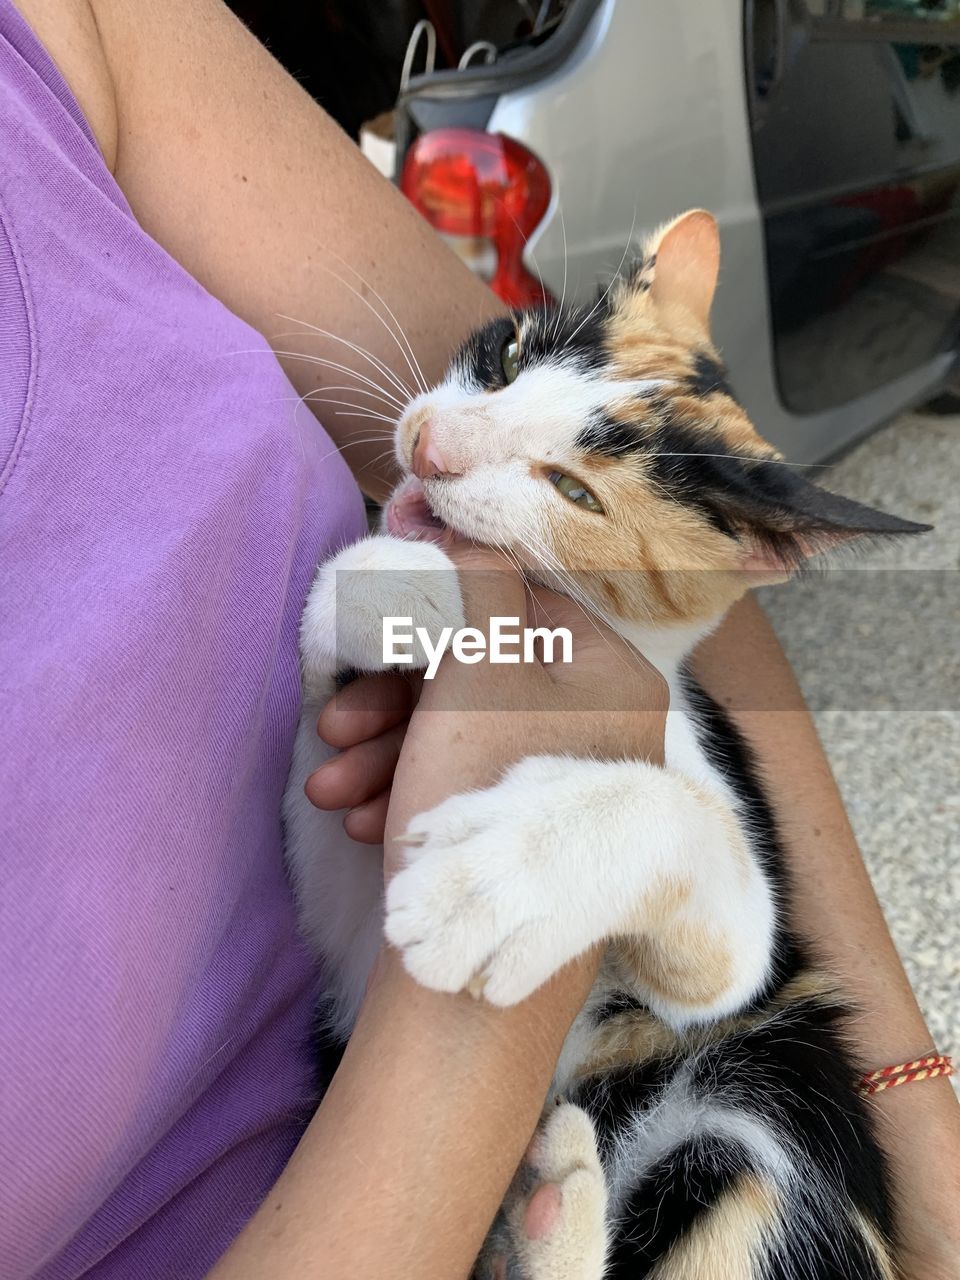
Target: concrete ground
[878, 656]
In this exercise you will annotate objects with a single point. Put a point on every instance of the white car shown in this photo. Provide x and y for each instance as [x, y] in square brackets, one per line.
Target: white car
[824, 135]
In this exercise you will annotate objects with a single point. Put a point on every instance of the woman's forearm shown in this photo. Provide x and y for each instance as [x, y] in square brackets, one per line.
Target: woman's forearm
[744, 667]
[403, 1168]
[405, 1164]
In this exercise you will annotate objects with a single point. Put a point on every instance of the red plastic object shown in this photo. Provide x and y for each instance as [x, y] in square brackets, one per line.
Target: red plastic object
[483, 186]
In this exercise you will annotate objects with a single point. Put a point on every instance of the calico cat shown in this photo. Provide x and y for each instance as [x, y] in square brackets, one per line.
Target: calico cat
[704, 1121]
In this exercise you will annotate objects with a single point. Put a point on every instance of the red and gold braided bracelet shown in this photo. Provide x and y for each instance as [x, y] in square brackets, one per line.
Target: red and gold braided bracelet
[928, 1068]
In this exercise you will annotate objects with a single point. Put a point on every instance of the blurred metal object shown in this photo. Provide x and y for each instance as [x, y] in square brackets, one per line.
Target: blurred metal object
[423, 27]
[542, 14]
[486, 47]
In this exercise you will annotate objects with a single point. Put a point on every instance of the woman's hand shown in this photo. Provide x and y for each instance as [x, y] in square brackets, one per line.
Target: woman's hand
[367, 722]
[480, 719]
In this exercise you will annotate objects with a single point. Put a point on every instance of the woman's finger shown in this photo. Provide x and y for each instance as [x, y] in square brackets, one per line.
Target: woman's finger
[366, 708]
[358, 774]
[365, 824]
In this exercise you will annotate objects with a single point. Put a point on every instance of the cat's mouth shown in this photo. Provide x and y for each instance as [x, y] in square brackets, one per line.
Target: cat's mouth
[408, 514]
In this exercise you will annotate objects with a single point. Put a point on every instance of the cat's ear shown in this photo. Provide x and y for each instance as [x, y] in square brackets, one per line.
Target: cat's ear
[781, 519]
[687, 265]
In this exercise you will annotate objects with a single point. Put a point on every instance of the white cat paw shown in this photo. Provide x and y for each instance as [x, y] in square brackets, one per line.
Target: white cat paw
[380, 577]
[555, 1214]
[492, 898]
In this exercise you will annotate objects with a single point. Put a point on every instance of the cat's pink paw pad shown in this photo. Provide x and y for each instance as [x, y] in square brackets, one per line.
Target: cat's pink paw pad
[543, 1211]
[560, 1229]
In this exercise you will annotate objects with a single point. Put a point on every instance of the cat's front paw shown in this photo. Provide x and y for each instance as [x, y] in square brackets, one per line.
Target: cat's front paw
[352, 594]
[488, 900]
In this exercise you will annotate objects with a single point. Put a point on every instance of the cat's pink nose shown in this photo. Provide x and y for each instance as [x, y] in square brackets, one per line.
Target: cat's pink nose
[427, 459]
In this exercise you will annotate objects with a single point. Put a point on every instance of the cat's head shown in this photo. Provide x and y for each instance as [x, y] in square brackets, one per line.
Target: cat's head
[605, 442]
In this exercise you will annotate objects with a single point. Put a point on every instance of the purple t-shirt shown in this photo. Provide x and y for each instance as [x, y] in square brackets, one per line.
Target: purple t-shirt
[161, 514]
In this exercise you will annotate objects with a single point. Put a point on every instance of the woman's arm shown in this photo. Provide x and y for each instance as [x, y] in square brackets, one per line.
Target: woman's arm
[744, 667]
[236, 171]
[404, 1165]
[401, 1171]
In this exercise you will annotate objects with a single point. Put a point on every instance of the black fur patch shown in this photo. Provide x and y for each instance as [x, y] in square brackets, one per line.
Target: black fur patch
[619, 1002]
[480, 359]
[546, 333]
[682, 463]
[612, 438]
[797, 1068]
[728, 752]
[639, 274]
[669, 1200]
[576, 333]
[613, 1099]
[725, 748]
[709, 376]
[790, 1070]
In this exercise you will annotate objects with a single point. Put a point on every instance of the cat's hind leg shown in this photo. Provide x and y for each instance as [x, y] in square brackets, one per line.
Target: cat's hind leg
[746, 1155]
[553, 1222]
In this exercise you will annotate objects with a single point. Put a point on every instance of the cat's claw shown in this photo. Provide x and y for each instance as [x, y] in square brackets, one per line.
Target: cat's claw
[456, 919]
[485, 902]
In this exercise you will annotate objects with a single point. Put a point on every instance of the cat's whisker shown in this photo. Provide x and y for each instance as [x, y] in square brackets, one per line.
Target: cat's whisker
[588, 607]
[616, 275]
[319, 398]
[352, 444]
[524, 571]
[379, 416]
[563, 291]
[373, 417]
[386, 453]
[342, 368]
[506, 554]
[533, 259]
[357, 391]
[514, 559]
[366, 410]
[737, 457]
[381, 366]
[409, 354]
[321, 360]
[580, 597]
[413, 365]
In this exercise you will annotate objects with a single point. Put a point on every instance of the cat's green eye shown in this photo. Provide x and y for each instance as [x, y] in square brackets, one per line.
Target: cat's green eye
[509, 357]
[575, 491]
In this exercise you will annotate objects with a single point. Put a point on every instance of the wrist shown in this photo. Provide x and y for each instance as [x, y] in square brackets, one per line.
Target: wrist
[919, 1127]
[458, 1027]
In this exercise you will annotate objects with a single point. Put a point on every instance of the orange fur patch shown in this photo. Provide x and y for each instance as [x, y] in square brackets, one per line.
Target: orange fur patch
[688, 964]
[728, 1241]
[653, 558]
[637, 1035]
